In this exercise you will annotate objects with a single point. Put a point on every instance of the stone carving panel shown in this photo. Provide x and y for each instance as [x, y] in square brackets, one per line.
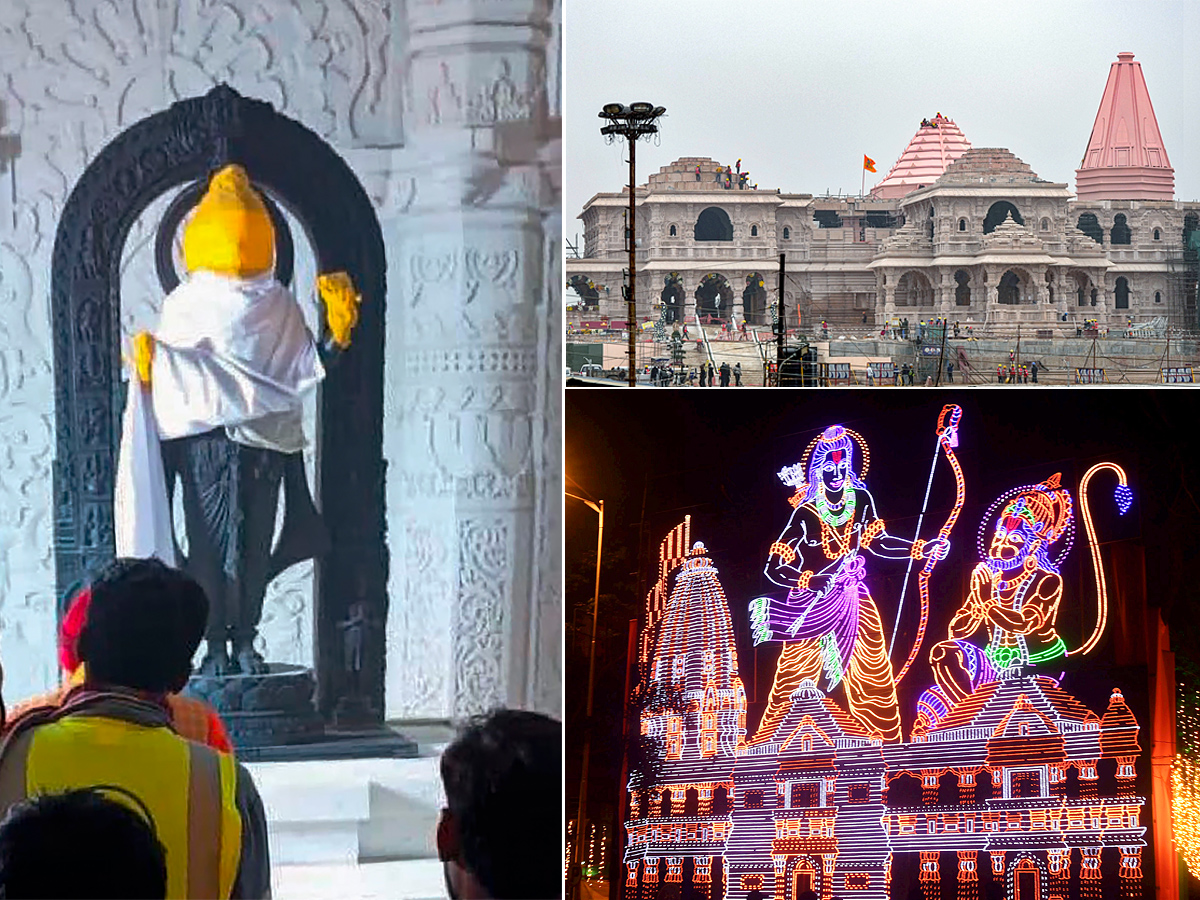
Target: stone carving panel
[483, 606]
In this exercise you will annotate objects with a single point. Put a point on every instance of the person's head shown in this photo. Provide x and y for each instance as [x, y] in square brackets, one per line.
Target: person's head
[109, 849]
[144, 623]
[500, 833]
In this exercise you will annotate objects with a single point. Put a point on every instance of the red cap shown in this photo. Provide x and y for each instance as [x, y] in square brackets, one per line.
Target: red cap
[72, 626]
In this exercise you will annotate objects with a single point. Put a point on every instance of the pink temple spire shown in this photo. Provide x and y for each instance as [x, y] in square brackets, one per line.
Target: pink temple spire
[937, 143]
[1125, 157]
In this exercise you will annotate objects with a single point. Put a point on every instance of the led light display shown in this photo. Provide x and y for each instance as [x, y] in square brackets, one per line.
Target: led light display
[1005, 779]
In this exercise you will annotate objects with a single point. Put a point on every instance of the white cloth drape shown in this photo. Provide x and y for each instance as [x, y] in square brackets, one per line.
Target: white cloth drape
[229, 352]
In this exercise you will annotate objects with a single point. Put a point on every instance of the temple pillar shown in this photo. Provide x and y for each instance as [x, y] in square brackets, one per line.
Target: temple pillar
[946, 286]
[929, 877]
[968, 875]
[474, 364]
[1130, 873]
[1059, 864]
[828, 861]
[966, 786]
[702, 876]
[1089, 873]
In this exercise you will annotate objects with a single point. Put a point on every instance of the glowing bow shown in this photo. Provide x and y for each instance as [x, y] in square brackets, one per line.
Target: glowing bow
[947, 435]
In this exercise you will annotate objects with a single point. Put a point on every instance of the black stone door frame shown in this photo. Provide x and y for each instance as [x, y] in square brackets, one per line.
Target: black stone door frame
[184, 144]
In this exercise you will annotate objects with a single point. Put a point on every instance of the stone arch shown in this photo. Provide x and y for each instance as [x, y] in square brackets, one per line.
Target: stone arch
[1121, 292]
[586, 288]
[674, 232]
[962, 224]
[913, 289]
[754, 300]
[962, 293]
[713, 224]
[1120, 232]
[673, 298]
[998, 212]
[787, 233]
[1090, 225]
[173, 148]
[1015, 288]
[753, 231]
[1084, 288]
[714, 297]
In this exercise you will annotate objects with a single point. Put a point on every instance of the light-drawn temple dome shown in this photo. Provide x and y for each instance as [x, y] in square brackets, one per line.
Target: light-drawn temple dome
[937, 143]
[1125, 158]
[698, 704]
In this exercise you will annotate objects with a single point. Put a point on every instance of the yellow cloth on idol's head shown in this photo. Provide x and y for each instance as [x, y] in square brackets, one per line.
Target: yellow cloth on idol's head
[230, 231]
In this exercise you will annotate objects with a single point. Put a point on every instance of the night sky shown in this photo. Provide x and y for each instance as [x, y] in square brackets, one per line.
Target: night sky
[655, 456]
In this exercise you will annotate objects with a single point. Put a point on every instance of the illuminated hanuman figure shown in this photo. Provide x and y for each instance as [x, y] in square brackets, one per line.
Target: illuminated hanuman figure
[828, 621]
[1015, 591]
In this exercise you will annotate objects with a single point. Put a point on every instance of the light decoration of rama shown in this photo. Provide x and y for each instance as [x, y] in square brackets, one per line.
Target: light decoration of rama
[1008, 783]
[828, 621]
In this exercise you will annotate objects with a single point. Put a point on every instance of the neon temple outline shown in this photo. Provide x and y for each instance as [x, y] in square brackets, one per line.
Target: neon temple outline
[1003, 781]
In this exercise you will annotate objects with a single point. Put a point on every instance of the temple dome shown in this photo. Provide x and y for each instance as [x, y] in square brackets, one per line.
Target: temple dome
[989, 165]
[937, 143]
[1125, 158]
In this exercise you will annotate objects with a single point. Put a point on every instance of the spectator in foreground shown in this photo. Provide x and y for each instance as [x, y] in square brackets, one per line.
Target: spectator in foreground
[112, 849]
[500, 833]
[144, 623]
[190, 718]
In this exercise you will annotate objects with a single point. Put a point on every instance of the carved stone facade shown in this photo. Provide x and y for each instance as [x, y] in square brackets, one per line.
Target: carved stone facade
[936, 251]
[447, 113]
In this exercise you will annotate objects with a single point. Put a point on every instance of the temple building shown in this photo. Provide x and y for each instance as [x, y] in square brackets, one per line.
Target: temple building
[1021, 787]
[967, 233]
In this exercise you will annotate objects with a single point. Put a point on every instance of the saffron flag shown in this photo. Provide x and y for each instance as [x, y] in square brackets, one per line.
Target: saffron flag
[868, 163]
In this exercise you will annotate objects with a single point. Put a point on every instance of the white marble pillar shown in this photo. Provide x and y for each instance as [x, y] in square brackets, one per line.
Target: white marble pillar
[473, 354]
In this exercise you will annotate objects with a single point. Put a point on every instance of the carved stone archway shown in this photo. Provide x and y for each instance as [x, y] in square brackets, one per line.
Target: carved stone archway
[301, 172]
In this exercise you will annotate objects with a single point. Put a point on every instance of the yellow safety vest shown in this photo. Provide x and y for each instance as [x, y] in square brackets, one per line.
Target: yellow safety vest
[189, 789]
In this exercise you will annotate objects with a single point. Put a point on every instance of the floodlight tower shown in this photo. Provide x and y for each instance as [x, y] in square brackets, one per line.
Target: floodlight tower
[631, 122]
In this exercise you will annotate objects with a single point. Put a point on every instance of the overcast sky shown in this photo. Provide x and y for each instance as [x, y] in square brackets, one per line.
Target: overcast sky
[801, 90]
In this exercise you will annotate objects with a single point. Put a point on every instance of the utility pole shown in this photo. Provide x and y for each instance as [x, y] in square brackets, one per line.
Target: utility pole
[577, 849]
[631, 122]
[780, 325]
[623, 786]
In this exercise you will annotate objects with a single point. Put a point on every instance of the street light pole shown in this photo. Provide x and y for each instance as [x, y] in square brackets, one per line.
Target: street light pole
[576, 852]
[631, 122]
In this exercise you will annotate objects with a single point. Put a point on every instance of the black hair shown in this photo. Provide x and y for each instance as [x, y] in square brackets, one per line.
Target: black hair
[503, 780]
[79, 843]
[144, 623]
